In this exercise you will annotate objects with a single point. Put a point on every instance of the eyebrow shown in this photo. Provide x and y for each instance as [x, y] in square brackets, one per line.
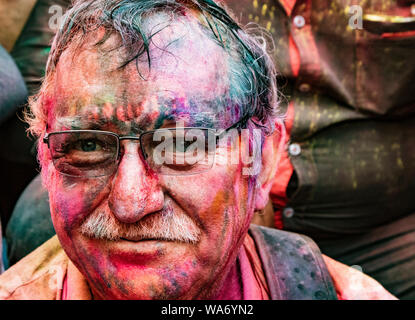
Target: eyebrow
[202, 113]
[85, 123]
[80, 123]
[191, 119]
[72, 122]
[198, 114]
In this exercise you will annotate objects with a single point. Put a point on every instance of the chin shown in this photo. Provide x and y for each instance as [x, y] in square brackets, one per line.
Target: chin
[153, 271]
[145, 287]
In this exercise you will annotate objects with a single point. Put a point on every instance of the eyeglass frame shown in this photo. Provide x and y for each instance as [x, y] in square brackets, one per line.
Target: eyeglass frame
[218, 136]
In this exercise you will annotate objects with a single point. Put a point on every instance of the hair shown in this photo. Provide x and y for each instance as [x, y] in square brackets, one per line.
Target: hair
[253, 75]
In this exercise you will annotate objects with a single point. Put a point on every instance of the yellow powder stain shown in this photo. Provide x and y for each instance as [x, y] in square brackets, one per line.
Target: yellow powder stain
[107, 110]
[399, 163]
[268, 27]
[388, 19]
[346, 10]
[72, 109]
[264, 9]
[255, 4]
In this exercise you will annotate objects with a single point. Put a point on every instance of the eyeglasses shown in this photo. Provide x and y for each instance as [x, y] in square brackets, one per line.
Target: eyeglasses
[167, 151]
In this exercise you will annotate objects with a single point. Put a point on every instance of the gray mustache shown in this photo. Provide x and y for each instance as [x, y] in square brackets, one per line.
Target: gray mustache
[165, 225]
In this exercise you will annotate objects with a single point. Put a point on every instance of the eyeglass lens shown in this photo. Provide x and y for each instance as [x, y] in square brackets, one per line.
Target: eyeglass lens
[179, 151]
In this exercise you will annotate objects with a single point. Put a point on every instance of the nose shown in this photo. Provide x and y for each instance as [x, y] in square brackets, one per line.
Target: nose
[135, 191]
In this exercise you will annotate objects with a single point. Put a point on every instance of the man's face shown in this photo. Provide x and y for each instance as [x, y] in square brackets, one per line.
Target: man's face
[212, 209]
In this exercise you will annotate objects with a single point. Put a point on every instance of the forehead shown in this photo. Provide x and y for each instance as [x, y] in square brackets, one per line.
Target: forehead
[186, 66]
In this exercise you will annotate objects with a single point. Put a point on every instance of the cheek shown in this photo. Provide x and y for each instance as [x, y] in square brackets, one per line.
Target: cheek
[230, 214]
[219, 201]
[73, 199]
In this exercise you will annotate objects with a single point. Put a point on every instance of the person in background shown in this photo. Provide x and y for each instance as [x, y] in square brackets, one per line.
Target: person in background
[13, 94]
[347, 179]
[26, 30]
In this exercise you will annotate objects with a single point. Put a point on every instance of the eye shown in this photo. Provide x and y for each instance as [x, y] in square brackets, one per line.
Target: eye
[181, 145]
[89, 145]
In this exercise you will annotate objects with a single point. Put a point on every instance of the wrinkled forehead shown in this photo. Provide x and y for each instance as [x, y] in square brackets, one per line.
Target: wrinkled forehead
[188, 77]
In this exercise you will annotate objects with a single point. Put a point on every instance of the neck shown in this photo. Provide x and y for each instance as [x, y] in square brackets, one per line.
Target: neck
[231, 288]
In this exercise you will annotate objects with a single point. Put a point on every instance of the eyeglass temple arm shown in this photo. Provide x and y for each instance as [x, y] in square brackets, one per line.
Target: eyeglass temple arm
[46, 139]
[243, 120]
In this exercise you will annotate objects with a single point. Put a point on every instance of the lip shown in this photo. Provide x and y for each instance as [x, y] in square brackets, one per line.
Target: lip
[141, 245]
[147, 239]
[143, 253]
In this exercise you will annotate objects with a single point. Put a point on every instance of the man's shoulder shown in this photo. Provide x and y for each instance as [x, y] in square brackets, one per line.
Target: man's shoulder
[293, 265]
[37, 276]
[282, 240]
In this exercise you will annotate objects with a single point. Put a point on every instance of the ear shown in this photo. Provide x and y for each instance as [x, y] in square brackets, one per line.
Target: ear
[271, 154]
